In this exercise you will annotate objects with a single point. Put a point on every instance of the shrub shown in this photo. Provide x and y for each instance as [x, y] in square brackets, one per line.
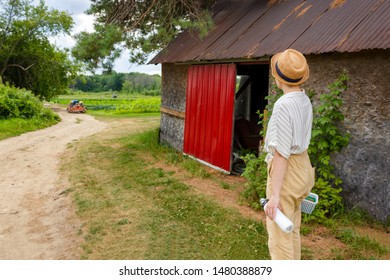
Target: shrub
[21, 103]
[328, 138]
[256, 174]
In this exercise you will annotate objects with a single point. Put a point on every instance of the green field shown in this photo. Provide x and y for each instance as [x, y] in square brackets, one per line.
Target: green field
[121, 104]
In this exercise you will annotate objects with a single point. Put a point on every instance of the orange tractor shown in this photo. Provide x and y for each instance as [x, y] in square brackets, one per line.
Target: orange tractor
[76, 106]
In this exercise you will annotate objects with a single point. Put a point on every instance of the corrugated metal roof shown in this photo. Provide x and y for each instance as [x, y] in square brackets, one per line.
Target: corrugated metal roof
[250, 29]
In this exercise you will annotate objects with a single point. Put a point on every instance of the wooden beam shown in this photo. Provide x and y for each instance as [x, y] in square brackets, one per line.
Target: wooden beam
[173, 112]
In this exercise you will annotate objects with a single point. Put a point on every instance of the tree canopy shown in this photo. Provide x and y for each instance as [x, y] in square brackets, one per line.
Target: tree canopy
[27, 58]
[126, 82]
[140, 26]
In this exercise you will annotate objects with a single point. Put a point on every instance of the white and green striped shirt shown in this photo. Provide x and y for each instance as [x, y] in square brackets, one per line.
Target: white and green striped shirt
[289, 129]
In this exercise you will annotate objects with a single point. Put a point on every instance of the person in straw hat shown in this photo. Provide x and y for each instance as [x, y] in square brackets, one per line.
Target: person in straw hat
[290, 173]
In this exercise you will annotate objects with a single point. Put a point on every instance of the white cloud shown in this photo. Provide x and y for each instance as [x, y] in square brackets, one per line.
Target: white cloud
[122, 65]
[83, 22]
[72, 6]
[63, 41]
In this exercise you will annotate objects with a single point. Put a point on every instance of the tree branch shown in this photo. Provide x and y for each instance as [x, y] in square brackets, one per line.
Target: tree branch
[20, 66]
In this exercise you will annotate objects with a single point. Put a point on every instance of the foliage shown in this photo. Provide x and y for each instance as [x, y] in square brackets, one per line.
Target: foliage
[327, 138]
[98, 49]
[28, 60]
[21, 111]
[256, 174]
[20, 103]
[142, 83]
[99, 83]
[141, 26]
[126, 82]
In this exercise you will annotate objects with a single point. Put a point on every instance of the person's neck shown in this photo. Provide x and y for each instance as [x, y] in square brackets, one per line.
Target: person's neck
[287, 89]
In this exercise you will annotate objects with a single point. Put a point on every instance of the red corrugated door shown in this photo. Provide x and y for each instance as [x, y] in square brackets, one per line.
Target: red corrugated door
[209, 114]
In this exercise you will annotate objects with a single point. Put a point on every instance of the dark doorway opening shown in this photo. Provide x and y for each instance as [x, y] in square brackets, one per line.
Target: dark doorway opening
[251, 89]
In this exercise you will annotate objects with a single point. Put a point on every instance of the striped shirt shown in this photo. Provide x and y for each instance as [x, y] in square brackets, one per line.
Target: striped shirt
[289, 129]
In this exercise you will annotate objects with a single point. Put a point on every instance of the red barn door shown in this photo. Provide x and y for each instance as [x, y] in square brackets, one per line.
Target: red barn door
[209, 114]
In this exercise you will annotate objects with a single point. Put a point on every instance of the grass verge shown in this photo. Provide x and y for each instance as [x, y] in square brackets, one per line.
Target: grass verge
[16, 126]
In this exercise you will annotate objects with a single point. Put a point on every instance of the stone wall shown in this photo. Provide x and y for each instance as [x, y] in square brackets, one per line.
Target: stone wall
[365, 164]
[174, 83]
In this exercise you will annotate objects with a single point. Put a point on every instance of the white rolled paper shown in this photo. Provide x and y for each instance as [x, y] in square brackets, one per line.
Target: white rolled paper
[281, 220]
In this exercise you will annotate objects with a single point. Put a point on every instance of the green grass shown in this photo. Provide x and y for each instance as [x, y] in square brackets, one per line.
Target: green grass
[106, 115]
[359, 247]
[133, 210]
[124, 104]
[133, 206]
[16, 126]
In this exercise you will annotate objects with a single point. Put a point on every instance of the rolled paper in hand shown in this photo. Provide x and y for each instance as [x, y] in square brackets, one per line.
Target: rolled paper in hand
[280, 219]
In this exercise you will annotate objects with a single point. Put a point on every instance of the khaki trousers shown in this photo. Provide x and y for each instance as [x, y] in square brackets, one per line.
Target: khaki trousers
[297, 184]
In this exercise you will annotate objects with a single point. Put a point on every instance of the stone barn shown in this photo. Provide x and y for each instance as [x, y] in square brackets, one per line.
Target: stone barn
[213, 86]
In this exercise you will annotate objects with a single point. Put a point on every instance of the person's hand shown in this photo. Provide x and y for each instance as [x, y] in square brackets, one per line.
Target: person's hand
[279, 167]
[272, 205]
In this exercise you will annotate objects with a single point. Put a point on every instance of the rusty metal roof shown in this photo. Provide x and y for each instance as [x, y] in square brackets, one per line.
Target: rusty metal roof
[252, 29]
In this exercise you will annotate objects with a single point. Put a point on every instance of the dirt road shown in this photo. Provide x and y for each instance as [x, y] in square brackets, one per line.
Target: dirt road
[34, 212]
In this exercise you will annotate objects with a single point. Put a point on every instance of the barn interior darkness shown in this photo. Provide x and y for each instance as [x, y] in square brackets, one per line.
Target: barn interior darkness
[251, 89]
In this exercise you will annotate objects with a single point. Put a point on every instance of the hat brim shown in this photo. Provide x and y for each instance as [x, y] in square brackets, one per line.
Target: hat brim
[274, 73]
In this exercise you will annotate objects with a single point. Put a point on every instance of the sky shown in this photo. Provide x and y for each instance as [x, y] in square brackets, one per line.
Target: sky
[84, 22]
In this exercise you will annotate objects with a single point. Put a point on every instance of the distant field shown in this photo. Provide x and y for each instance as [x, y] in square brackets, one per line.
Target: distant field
[122, 104]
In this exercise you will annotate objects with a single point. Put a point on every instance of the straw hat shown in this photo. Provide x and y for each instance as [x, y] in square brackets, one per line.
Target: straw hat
[290, 67]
